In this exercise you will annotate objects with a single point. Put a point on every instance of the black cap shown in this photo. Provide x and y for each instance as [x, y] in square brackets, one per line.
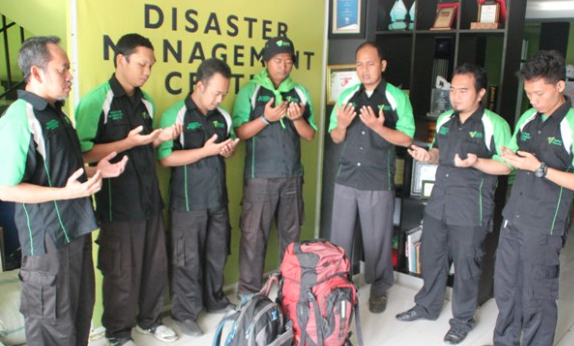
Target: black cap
[278, 45]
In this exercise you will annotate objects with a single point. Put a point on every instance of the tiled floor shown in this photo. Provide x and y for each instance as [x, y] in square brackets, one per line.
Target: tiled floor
[384, 330]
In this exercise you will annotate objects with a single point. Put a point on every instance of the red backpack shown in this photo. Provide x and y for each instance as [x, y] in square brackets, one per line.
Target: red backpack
[317, 294]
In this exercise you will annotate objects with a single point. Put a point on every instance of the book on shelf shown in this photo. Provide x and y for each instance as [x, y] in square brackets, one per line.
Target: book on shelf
[412, 249]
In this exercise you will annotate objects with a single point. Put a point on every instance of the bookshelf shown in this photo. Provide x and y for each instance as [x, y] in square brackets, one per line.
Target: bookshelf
[411, 55]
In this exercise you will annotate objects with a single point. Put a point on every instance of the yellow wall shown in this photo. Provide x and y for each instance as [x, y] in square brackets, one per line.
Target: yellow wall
[225, 29]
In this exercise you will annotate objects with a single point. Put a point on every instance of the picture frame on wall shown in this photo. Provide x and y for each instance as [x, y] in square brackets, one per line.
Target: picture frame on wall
[339, 78]
[347, 19]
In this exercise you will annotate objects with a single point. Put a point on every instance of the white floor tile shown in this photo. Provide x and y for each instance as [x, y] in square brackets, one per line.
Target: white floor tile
[385, 330]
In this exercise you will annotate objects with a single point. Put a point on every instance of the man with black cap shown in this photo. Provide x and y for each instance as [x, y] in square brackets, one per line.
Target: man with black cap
[271, 112]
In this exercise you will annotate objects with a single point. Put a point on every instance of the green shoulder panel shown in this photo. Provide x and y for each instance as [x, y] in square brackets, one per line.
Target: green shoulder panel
[570, 119]
[343, 98]
[404, 109]
[16, 136]
[501, 133]
[242, 105]
[88, 114]
[311, 119]
[149, 99]
[526, 116]
[168, 118]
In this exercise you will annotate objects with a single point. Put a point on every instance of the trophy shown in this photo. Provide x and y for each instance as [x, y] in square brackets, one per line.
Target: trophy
[398, 16]
[412, 16]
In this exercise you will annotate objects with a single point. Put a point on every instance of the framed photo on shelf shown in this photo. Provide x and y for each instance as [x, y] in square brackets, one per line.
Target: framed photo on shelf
[422, 172]
[444, 18]
[488, 12]
[347, 19]
[339, 78]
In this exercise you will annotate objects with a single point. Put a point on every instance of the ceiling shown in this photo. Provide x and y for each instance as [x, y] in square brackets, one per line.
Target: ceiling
[549, 10]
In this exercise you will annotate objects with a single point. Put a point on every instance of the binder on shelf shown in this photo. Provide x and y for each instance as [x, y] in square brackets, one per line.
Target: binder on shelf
[412, 249]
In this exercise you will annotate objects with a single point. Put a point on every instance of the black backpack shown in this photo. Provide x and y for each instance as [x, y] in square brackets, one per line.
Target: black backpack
[257, 321]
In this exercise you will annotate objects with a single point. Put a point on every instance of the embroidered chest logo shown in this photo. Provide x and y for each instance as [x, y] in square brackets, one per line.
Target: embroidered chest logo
[554, 141]
[443, 130]
[384, 108]
[524, 136]
[292, 99]
[116, 115]
[52, 125]
[145, 115]
[263, 98]
[194, 126]
[218, 124]
[475, 134]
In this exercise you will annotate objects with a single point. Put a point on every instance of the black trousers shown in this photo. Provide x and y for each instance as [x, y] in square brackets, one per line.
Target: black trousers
[200, 240]
[442, 244]
[263, 201]
[58, 294]
[526, 275]
[374, 209]
[133, 262]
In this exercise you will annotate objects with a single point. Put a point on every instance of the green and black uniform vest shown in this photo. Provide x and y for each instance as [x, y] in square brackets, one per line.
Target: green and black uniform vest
[200, 185]
[275, 152]
[367, 160]
[107, 114]
[40, 147]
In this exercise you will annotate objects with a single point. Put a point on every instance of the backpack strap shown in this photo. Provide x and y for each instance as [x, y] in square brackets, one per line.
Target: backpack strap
[219, 330]
[358, 325]
[273, 278]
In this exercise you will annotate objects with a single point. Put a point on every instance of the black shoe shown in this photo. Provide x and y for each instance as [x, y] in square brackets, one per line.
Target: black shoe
[225, 309]
[121, 341]
[409, 315]
[455, 336]
[377, 304]
[189, 327]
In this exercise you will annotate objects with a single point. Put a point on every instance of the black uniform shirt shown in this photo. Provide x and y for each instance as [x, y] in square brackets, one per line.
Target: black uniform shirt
[41, 147]
[200, 185]
[465, 196]
[537, 204]
[107, 114]
[367, 160]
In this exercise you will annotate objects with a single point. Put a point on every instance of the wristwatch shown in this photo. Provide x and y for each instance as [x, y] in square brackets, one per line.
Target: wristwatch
[540, 172]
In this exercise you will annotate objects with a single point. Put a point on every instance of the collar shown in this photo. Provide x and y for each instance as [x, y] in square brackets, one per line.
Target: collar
[559, 113]
[192, 106]
[380, 88]
[119, 90]
[476, 116]
[37, 102]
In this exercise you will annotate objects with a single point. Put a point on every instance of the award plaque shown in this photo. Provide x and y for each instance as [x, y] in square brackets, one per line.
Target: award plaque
[488, 15]
[444, 18]
[488, 12]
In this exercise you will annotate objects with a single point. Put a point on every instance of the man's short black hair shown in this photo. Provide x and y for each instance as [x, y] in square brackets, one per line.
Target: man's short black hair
[479, 73]
[34, 52]
[128, 43]
[210, 67]
[547, 64]
[374, 45]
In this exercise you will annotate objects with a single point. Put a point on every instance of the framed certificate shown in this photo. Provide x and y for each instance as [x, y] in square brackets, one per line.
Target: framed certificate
[488, 12]
[339, 78]
[444, 18]
[347, 18]
[422, 172]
